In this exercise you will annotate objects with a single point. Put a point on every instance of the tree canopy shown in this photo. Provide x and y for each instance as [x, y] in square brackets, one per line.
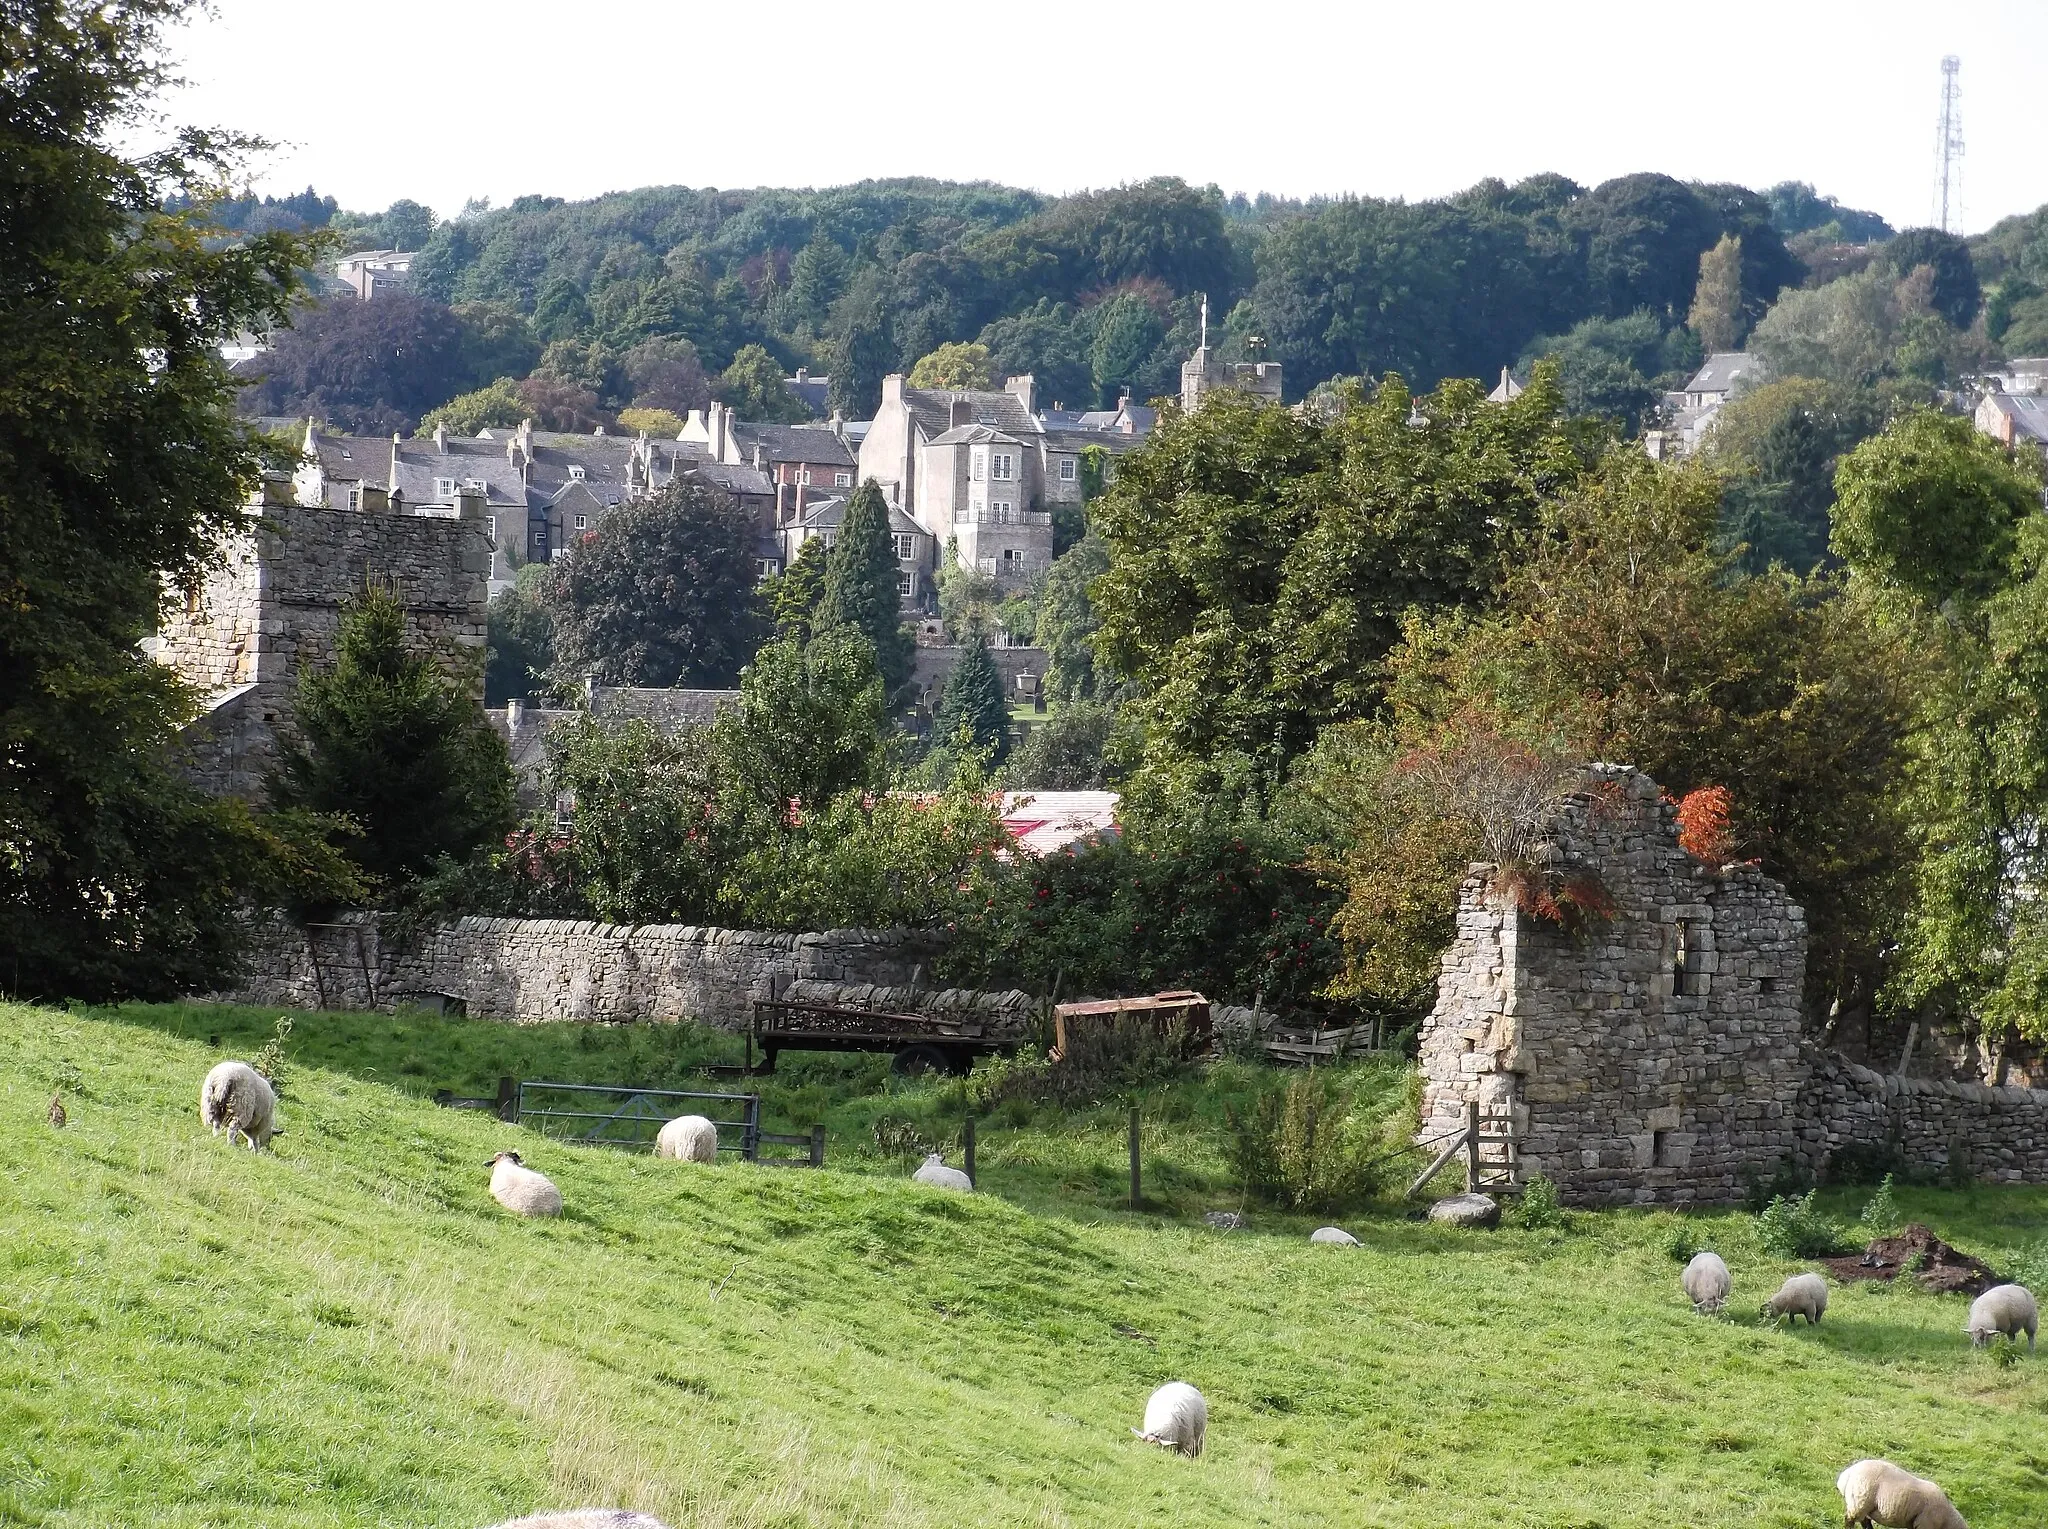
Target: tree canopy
[861, 585]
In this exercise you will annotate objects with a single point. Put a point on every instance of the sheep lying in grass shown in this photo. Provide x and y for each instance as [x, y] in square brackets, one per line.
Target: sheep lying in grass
[1707, 1283]
[1878, 1492]
[688, 1139]
[584, 1518]
[238, 1099]
[1177, 1417]
[939, 1176]
[520, 1190]
[2004, 1310]
[1335, 1236]
[1803, 1295]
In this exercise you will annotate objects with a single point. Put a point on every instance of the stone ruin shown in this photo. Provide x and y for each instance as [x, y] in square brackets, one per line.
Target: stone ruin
[1658, 1055]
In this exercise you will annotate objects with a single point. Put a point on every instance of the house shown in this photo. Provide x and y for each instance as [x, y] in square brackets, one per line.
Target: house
[1689, 413]
[2015, 419]
[1202, 374]
[802, 462]
[814, 393]
[1508, 389]
[916, 556]
[368, 272]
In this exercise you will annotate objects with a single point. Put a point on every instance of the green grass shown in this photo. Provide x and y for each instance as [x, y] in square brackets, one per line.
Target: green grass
[348, 1331]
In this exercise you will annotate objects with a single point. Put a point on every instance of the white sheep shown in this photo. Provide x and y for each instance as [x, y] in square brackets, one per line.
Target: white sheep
[688, 1139]
[520, 1190]
[1707, 1283]
[1803, 1295]
[2004, 1309]
[238, 1099]
[584, 1518]
[1878, 1492]
[1335, 1236]
[1177, 1417]
[939, 1176]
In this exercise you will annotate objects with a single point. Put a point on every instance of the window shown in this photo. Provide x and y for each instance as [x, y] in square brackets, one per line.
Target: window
[491, 526]
[1010, 554]
[765, 568]
[1003, 467]
[977, 467]
[906, 546]
[1005, 512]
[583, 522]
[842, 480]
[906, 585]
[803, 475]
[962, 513]
[444, 488]
[1066, 469]
[575, 475]
[355, 499]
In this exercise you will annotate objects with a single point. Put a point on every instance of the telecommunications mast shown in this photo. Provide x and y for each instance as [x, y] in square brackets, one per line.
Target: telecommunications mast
[1948, 151]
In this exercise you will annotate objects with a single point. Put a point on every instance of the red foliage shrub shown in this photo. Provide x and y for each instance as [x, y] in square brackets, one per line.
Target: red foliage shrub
[1705, 825]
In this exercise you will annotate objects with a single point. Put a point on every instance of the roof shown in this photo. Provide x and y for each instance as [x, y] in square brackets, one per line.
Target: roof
[745, 481]
[973, 435]
[1720, 371]
[1044, 821]
[353, 458]
[812, 391]
[792, 443]
[932, 410]
[1507, 389]
[666, 709]
[830, 514]
[2027, 411]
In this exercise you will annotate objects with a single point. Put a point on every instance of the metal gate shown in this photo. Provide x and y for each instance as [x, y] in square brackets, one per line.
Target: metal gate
[605, 1115]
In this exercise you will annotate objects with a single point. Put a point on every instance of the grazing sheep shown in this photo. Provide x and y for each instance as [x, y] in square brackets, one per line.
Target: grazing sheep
[688, 1139]
[1177, 1417]
[939, 1176]
[1707, 1283]
[2007, 1310]
[1335, 1236]
[1803, 1295]
[1878, 1492]
[238, 1099]
[584, 1518]
[520, 1190]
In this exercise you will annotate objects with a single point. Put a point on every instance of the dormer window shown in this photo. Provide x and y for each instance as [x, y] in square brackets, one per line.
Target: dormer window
[575, 475]
[444, 488]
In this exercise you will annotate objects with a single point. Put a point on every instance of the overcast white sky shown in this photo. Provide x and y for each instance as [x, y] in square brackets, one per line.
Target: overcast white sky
[443, 100]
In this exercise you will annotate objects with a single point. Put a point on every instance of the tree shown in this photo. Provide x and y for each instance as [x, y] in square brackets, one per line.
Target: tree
[665, 373]
[1049, 342]
[385, 740]
[809, 723]
[662, 424]
[1067, 622]
[123, 468]
[1067, 751]
[372, 368]
[499, 406]
[955, 365]
[1613, 367]
[1776, 447]
[560, 312]
[793, 594]
[972, 709]
[1716, 314]
[556, 405]
[661, 593]
[753, 388]
[1127, 331]
[1955, 291]
[861, 589]
[522, 639]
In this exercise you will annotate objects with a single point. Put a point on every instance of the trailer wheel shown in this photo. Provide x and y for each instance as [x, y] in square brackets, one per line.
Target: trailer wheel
[915, 1061]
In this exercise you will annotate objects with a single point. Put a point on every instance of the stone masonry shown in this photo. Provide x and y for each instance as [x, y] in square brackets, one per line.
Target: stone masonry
[273, 609]
[1657, 1056]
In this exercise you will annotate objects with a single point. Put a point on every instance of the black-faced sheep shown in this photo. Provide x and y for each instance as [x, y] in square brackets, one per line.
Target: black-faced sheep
[2006, 1310]
[688, 1139]
[1707, 1283]
[1803, 1295]
[520, 1190]
[1878, 1492]
[238, 1099]
[1176, 1417]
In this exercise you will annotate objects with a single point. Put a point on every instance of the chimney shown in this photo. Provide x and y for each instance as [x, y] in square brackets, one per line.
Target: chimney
[469, 503]
[803, 491]
[526, 436]
[440, 438]
[892, 389]
[837, 425]
[1025, 390]
[803, 374]
[515, 715]
[598, 430]
[960, 412]
[375, 501]
[760, 457]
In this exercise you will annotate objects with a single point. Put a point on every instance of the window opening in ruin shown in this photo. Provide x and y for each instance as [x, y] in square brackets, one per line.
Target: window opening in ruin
[1657, 1154]
[1678, 955]
[1767, 984]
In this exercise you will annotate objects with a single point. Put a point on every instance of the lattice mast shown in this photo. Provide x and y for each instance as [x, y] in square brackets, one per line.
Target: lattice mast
[1948, 151]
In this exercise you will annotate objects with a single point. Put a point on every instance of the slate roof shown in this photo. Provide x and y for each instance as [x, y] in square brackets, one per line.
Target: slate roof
[1720, 371]
[741, 482]
[811, 391]
[354, 458]
[973, 435]
[830, 514]
[2027, 411]
[666, 709]
[932, 410]
[466, 459]
[791, 443]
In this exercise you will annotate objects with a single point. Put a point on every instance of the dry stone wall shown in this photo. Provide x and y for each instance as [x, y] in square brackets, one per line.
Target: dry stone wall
[546, 969]
[1658, 1056]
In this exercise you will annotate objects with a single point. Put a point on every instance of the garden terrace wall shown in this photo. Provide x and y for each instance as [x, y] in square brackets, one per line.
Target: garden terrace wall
[546, 969]
[1926, 1126]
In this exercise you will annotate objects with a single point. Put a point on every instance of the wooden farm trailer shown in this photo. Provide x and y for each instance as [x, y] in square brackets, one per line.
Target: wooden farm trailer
[1162, 1011]
[919, 1042]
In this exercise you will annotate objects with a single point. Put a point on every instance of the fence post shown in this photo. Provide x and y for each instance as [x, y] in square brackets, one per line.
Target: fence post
[1471, 1146]
[1137, 1197]
[508, 1099]
[967, 1146]
[817, 1146]
[751, 1146]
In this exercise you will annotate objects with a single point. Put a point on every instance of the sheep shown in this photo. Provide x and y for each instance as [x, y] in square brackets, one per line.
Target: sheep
[584, 1518]
[520, 1190]
[1177, 1417]
[1803, 1295]
[688, 1139]
[939, 1176]
[2004, 1309]
[238, 1099]
[1707, 1283]
[1878, 1492]
[1335, 1236]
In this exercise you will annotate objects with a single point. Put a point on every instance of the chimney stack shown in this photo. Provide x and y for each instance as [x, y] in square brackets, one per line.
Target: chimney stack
[960, 412]
[469, 503]
[892, 388]
[375, 501]
[440, 438]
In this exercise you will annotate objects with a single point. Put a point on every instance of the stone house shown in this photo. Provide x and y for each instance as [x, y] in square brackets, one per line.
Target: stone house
[802, 462]
[915, 556]
[369, 272]
[2014, 420]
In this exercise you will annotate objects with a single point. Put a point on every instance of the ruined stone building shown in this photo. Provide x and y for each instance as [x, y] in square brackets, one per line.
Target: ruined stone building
[1658, 1055]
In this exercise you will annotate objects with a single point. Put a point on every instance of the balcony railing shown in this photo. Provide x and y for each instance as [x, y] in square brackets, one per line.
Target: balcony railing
[1002, 517]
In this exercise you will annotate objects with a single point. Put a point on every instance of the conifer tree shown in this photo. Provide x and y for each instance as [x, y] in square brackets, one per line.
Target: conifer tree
[973, 702]
[386, 740]
[860, 585]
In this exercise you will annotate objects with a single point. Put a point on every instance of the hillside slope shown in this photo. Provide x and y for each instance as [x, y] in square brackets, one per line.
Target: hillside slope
[348, 1331]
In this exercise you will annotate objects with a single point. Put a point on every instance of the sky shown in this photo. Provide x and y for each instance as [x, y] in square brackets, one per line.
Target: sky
[447, 100]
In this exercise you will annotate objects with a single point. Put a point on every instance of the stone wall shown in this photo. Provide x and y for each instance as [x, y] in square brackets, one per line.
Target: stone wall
[273, 608]
[542, 969]
[1658, 1055]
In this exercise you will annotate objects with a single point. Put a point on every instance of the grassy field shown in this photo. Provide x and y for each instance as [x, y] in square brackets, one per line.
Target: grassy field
[349, 1332]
